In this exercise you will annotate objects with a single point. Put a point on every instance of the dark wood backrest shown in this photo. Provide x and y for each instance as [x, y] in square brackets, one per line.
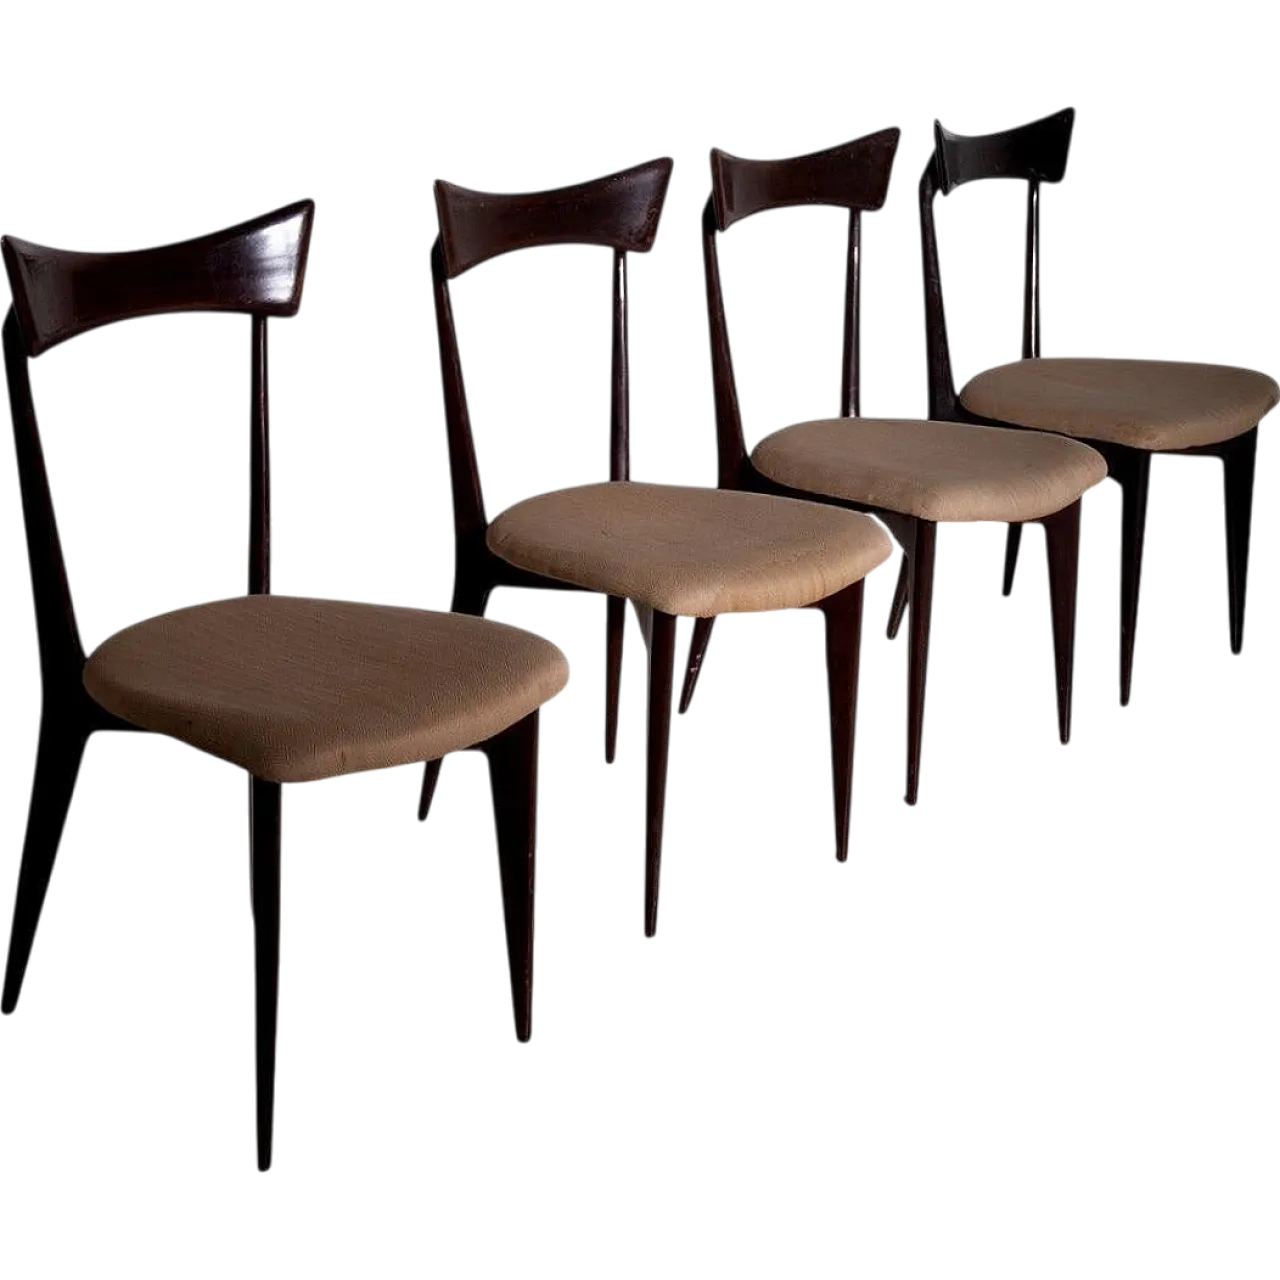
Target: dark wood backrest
[255, 268]
[853, 176]
[619, 212]
[1035, 153]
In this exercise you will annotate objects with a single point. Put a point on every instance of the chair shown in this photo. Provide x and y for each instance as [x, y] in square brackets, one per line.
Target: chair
[913, 475]
[1126, 409]
[288, 689]
[670, 550]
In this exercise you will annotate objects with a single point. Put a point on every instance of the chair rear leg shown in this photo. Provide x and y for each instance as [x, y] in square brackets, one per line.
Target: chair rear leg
[615, 625]
[1062, 543]
[843, 616]
[1132, 468]
[697, 651]
[922, 558]
[264, 821]
[1238, 463]
[662, 649]
[1013, 540]
[899, 606]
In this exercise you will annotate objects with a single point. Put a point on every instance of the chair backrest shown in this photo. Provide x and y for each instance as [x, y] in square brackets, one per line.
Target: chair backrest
[1034, 153]
[853, 176]
[619, 212]
[256, 268]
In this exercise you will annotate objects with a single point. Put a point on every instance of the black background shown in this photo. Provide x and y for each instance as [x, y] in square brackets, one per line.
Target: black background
[1110, 886]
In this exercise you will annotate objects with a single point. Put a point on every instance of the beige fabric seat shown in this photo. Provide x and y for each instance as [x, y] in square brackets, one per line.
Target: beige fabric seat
[293, 690]
[1145, 404]
[690, 552]
[932, 470]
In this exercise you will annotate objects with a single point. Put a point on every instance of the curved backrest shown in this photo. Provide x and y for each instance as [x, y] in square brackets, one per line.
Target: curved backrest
[1035, 153]
[854, 176]
[620, 212]
[256, 268]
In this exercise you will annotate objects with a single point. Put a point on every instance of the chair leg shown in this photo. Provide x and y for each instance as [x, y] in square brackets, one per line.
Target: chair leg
[662, 649]
[922, 557]
[1062, 543]
[899, 606]
[615, 629]
[843, 615]
[264, 819]
[1132, 469]
[513, 776]
[426, 787]
[697, 651]
[1238, 462]
[1013, 540]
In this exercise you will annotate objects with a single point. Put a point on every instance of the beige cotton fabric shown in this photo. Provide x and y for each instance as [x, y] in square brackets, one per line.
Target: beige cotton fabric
[295, 690]
[1145, 404]
[932, 470]
[692, 552]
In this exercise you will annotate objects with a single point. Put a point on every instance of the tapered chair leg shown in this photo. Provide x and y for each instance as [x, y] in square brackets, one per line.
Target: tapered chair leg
[513, 775]
[662, 651]
[922, 557]
[264, 818]
[1062, 543]
[1133, 470]
[1013, 540]
[843, 615]
[615, 628]
[697, 651]
[1238, 462]
[899, 606]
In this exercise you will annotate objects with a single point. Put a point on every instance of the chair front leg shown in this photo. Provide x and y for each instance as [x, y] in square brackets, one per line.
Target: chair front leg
[899, 605]
[1131, 468]
[662, 649]
[513, 776]
[923, 544]
[697, 651]
[1238, 457]
[615, 626]
[842, 613]
[1062, 544]
[1013, 540]
[264, 847]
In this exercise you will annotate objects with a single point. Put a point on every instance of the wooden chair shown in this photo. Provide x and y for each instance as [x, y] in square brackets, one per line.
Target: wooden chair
[913, 475]
[670, 550]
[1126, 409]
[288, 689]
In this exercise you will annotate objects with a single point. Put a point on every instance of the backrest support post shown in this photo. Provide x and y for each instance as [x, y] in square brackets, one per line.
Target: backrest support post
[620, 415]
[1031, 296]
[260, 469]
[850, 374]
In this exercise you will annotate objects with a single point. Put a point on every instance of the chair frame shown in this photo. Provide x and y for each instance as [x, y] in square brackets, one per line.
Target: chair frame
[854, 176]
[256, 268]
[1037, 153]
[619, 212]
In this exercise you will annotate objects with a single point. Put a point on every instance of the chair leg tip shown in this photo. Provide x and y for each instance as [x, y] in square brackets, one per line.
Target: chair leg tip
[8, 1006]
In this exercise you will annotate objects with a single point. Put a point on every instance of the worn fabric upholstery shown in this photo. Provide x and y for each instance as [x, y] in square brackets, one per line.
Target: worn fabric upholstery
[932, 470]
[295, 689]
[1145, 404]
[691, 552]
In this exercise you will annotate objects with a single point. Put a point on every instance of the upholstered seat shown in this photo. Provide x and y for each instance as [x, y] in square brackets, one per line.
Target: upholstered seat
[1144, 404]
[690, 552]
[932, 470]
[293, 689]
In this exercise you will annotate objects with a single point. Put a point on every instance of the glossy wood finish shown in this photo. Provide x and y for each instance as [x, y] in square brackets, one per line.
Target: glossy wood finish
[620, 212]
[513, 775]
[842, 614]
[264, 862]
[256, 268]
[1062, 546]
[661, 637]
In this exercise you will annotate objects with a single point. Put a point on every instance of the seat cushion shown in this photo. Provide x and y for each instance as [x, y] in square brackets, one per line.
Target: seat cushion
[692, 552]
[1145, 404]
[933, 470]
[294, 689]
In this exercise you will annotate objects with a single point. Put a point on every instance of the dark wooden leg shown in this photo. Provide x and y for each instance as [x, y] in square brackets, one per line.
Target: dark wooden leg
[922, 555]
[264, 818]
[662, 652]
[426, 787]
[899, 606]
[697, 651]
[843, 614]
[1132, 468]
[1013, 540]
[513, 775]
[1062, 542]
[1238, 462]
[615, 627]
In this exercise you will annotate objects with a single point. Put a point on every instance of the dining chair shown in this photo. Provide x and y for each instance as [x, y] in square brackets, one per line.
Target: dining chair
[913, 475]
[671, 550]
[288, 689]
[1127, 410]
